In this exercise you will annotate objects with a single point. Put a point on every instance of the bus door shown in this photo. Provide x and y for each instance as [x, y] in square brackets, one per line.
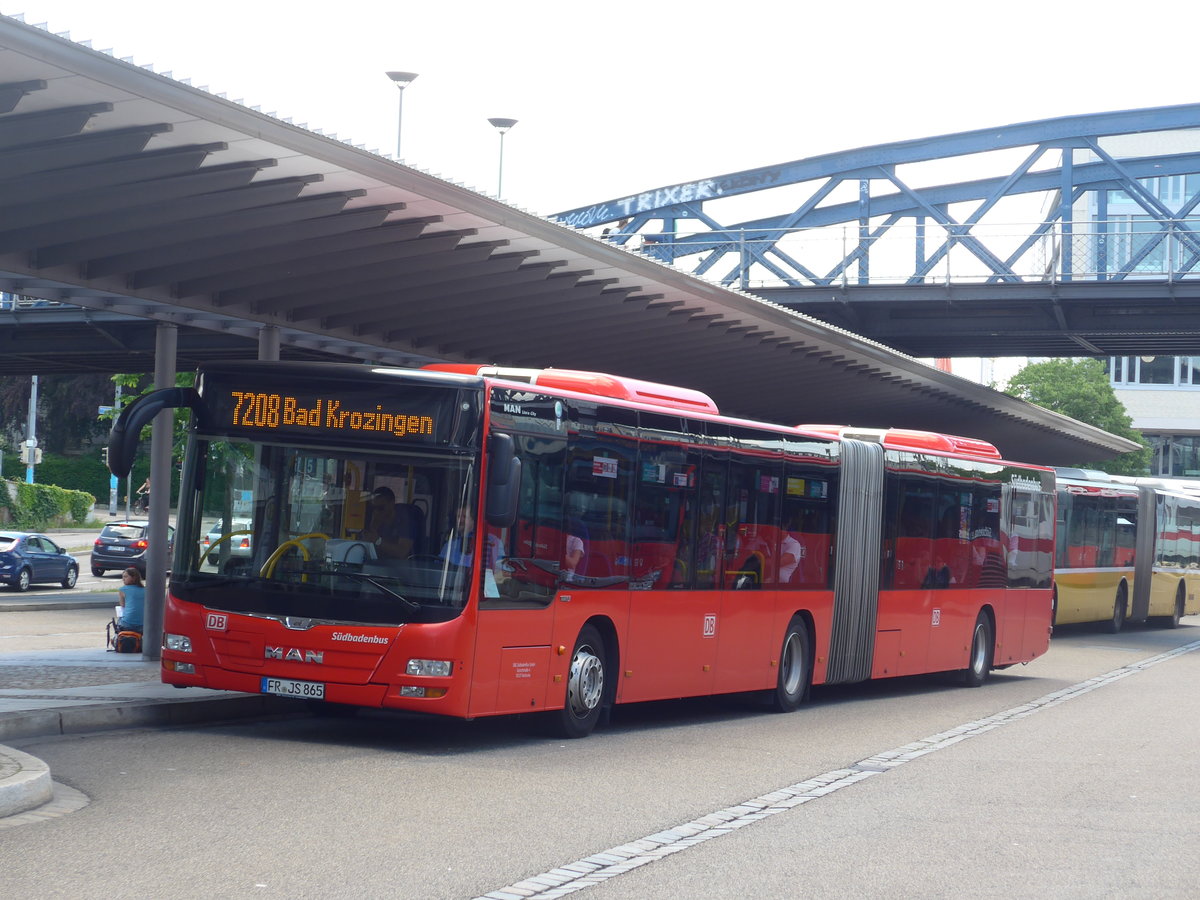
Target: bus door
[1023, 617]
[515, 624]
[957, 565]
[906, 610]
[673, 629]
[751, 546]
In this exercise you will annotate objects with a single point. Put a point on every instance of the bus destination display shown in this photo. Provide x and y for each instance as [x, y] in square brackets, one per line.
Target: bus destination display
[412, 414]
[253, 409]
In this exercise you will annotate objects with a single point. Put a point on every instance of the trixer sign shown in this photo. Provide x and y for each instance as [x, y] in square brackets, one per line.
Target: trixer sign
[293, 655]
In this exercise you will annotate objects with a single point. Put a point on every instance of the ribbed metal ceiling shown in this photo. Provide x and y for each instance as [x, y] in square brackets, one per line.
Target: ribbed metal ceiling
[127, 192]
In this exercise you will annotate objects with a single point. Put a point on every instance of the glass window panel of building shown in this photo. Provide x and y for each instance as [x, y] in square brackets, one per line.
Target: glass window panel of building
[1161, 371]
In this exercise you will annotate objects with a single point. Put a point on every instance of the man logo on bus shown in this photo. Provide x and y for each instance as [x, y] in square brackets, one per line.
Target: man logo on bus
[710, 626]
[294, 655]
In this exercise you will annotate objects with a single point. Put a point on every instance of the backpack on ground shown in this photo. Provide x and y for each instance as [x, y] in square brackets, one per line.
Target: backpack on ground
[126, 641]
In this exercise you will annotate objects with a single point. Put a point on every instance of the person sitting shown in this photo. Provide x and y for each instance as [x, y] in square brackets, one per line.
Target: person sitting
[133, 600]
[459, 548]
[574, 550]
[384, 528]
[790, 555]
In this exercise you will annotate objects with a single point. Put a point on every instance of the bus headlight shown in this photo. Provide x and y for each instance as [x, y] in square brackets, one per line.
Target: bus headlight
[179, 642]
[437, 667]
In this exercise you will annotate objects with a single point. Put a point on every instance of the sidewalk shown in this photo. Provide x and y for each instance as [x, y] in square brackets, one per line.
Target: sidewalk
[56, 692]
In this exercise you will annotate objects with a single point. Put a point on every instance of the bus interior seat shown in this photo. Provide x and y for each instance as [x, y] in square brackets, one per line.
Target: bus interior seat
[410, 522]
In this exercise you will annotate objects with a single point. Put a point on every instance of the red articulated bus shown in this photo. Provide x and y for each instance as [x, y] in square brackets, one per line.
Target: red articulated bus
[473, 541]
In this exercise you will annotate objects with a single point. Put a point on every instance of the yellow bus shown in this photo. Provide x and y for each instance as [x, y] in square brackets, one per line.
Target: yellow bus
[1125, 550]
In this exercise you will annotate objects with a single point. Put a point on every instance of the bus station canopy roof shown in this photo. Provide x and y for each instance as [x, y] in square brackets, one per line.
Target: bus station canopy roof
[130, 194]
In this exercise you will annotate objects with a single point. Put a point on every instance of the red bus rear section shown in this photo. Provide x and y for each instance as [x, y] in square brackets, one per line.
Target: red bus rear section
[475, 542]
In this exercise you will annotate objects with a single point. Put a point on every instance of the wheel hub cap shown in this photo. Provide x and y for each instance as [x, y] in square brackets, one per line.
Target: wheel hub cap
[586, 684]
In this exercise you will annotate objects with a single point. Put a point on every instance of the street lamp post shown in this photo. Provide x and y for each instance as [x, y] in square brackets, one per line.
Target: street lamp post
[502, 126]
[401, 80]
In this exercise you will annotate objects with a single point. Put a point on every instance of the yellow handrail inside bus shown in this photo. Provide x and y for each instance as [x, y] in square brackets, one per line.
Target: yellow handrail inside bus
[268, 568]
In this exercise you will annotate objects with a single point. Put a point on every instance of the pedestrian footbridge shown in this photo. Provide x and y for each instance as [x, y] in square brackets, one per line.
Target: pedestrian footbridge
[1075, 236]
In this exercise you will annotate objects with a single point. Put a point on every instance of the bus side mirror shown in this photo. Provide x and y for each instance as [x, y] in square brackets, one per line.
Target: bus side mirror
[503, 482]
[127, 430]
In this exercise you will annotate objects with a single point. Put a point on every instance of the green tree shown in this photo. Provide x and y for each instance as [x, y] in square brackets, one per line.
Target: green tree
[1079, 388]
[138, 385]
[134, 386]
[67, 407]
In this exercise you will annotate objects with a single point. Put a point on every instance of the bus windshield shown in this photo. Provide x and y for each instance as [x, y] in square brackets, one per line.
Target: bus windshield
[342, 536]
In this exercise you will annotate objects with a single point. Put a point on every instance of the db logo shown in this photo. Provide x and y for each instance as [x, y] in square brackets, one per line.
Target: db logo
[710, 626]
[216, 622]
[937, 617]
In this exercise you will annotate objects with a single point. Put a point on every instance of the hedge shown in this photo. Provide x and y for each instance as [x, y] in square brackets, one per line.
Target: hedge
[79, 473]
[35, 507]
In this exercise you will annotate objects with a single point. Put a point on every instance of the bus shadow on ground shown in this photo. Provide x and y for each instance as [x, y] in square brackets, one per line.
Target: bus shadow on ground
[433, 736]
[1150, 633]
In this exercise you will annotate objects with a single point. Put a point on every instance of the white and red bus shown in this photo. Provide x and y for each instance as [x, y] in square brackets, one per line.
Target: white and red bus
[1125, 550]
[632, 544]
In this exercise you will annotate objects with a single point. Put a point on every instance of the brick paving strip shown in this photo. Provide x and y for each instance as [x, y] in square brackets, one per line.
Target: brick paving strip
[49, 678]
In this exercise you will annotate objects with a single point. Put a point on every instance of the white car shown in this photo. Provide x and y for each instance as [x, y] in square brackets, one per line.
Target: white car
[236, 544]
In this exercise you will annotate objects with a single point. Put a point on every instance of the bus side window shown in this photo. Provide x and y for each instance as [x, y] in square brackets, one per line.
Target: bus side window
[952, 558]
[531, 547]
[988, 565]
[806, 529]
[752, 538]
[599, 483]
[912, 563]
[663, 485]
[710, 529]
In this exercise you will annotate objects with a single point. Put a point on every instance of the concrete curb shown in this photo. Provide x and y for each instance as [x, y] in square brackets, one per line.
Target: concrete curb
[35, 605]
[24, 782]
[108, 716]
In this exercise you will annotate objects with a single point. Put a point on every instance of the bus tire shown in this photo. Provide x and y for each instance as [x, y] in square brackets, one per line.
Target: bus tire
[1173, 619]
[795, 664]
[586, 687]
[1117, 622]
[983, 647]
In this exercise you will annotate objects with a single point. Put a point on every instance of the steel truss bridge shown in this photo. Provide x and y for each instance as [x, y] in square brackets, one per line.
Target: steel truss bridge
[1075, 236]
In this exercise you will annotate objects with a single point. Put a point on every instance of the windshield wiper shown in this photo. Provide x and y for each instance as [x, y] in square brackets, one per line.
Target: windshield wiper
[373, 580]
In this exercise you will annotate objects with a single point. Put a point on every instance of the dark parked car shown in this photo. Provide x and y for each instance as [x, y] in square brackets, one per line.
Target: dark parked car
[27, 559]
[123, 544]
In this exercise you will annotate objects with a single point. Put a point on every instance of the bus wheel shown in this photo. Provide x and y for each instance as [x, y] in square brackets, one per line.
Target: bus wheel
[1173, 619]
[1117, 622]
[983, 645]
[794, 659]
[585, 687]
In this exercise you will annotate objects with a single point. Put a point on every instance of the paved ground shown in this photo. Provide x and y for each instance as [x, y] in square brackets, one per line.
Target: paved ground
[84, 688]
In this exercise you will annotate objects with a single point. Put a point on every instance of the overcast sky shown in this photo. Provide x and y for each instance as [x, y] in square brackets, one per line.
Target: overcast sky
[616, 98]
